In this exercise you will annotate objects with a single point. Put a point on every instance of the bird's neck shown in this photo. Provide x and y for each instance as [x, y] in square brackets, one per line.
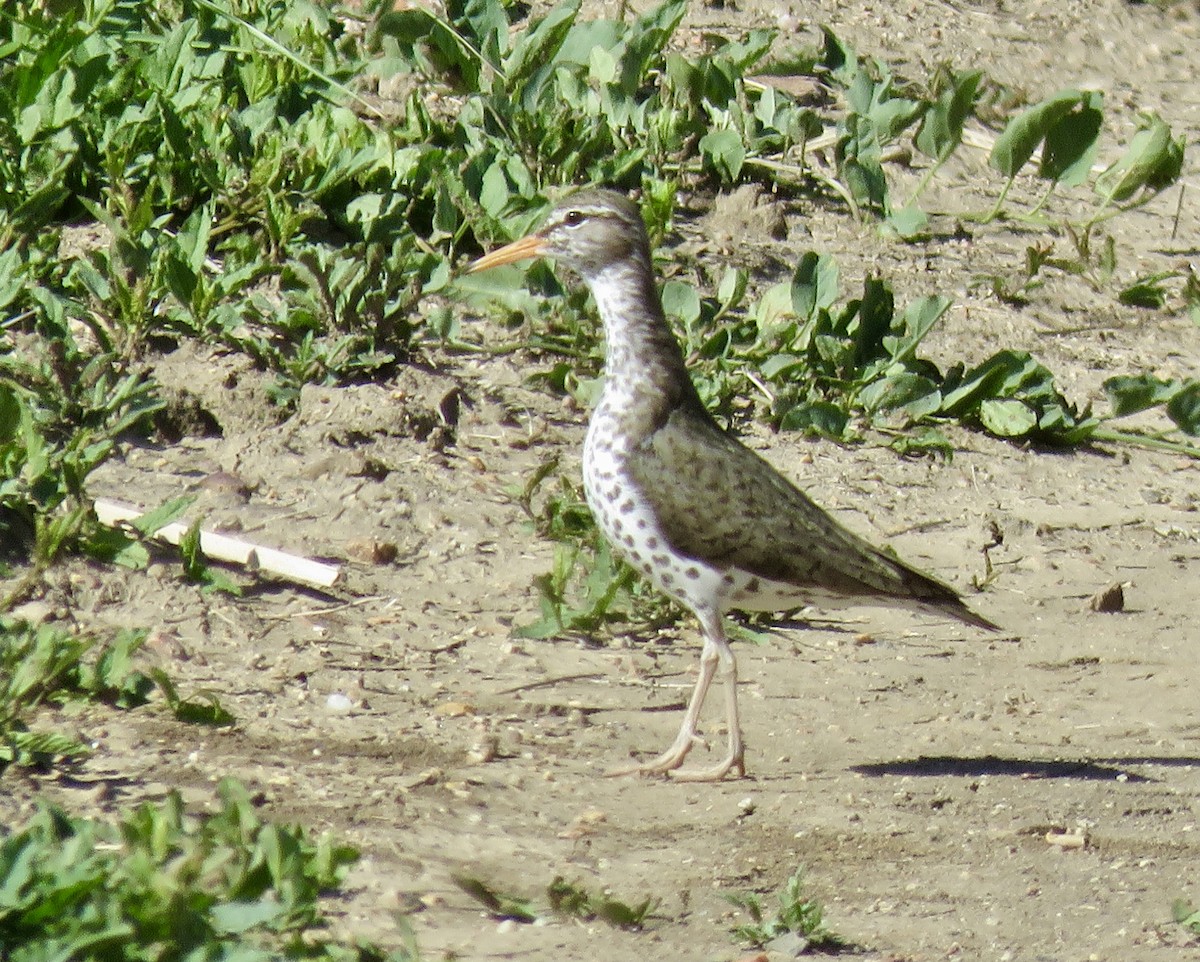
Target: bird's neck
[643, 358]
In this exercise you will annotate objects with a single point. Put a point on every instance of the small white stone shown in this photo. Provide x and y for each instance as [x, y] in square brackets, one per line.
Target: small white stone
[339, 703]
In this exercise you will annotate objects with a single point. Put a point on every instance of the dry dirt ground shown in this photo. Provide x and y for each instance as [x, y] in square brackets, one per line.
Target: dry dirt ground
[924, 774]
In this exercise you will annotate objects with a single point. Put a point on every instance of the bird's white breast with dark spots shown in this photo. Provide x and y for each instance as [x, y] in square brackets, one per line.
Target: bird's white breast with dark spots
[627, 520]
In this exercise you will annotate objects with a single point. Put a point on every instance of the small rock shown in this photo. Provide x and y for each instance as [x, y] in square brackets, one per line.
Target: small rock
[371, 551]
[1067, 840]
[485, 750]
[34, 612]
[790, 945]
[453, 709]
[224, 485]
[585, 823]
[1111, 599]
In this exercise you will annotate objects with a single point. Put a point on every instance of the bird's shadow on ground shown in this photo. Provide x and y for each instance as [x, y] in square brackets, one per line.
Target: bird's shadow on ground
[1097, 769]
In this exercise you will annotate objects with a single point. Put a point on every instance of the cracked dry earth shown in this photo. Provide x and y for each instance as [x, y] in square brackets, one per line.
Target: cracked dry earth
[1030, 795]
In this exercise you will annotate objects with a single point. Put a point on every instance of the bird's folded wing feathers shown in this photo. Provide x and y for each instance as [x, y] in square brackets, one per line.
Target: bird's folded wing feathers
[719, 501]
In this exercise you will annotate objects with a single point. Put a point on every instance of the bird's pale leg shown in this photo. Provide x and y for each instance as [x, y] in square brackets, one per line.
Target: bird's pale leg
[716, 653]
[673, 757]
[715, 640]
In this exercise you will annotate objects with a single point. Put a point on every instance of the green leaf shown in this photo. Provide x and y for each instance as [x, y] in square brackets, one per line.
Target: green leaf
[499, 904]
[233, 918]
[837, 57]
[732, 287]
[157, 518]
[622, 915]
[919, 318]
[942, 125]
[912, 394]
[535, 55]
[1187, 916]
[817, 417]
[1184, 408]
[1129, 394]
[780, 366]
[910, 223]
[985, 380]
[1007, 417]
[603, 66]
[44, 744]
[494, 192]
[1152, 160]
[814, 284]
[875, 313]
[922, 440]
[1146, 292]
[681, 300]
[10, 413]
[1023, 133]
[1072, 141]
[724, 150]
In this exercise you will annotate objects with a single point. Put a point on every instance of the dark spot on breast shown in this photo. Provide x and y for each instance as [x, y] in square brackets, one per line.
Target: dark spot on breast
[728, 579]
[652, 543]
[752, 587]
[628, 506]
[660, 560]
[647, 567]
[667, 579]
[693, 572]
[628, 539]
[642, 524]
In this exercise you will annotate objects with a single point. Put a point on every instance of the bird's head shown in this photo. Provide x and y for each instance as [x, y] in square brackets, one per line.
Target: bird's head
[589, 231]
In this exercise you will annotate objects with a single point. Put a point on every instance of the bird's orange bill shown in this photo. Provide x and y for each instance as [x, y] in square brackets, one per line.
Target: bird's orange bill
[531, 246]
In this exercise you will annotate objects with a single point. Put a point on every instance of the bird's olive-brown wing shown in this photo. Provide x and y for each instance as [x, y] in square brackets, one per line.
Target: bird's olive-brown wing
[718, 501]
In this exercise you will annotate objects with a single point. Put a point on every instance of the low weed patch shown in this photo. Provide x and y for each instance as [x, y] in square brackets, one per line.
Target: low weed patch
[48, 665]
[159, 883]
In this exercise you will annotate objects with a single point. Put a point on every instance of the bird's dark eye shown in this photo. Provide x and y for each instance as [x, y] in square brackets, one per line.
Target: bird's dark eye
[573, 218]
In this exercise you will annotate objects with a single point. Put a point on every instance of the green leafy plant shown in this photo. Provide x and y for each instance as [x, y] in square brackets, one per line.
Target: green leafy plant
[1179, 399]
[200, 172]
[61, 412]
[47, 664]
[1066, 126]
[1186, 915]
[196, 568]
[798, 914]
[565, 899]
[160, 884]
[834, 368]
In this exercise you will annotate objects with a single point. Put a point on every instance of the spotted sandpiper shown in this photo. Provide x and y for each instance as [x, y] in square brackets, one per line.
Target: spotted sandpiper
[704, 518]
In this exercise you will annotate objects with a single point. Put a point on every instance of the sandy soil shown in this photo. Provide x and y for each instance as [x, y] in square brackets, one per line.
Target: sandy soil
[923, 773]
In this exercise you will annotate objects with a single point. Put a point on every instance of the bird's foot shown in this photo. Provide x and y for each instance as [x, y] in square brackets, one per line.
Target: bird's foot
[735, 764]
[669, 762]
